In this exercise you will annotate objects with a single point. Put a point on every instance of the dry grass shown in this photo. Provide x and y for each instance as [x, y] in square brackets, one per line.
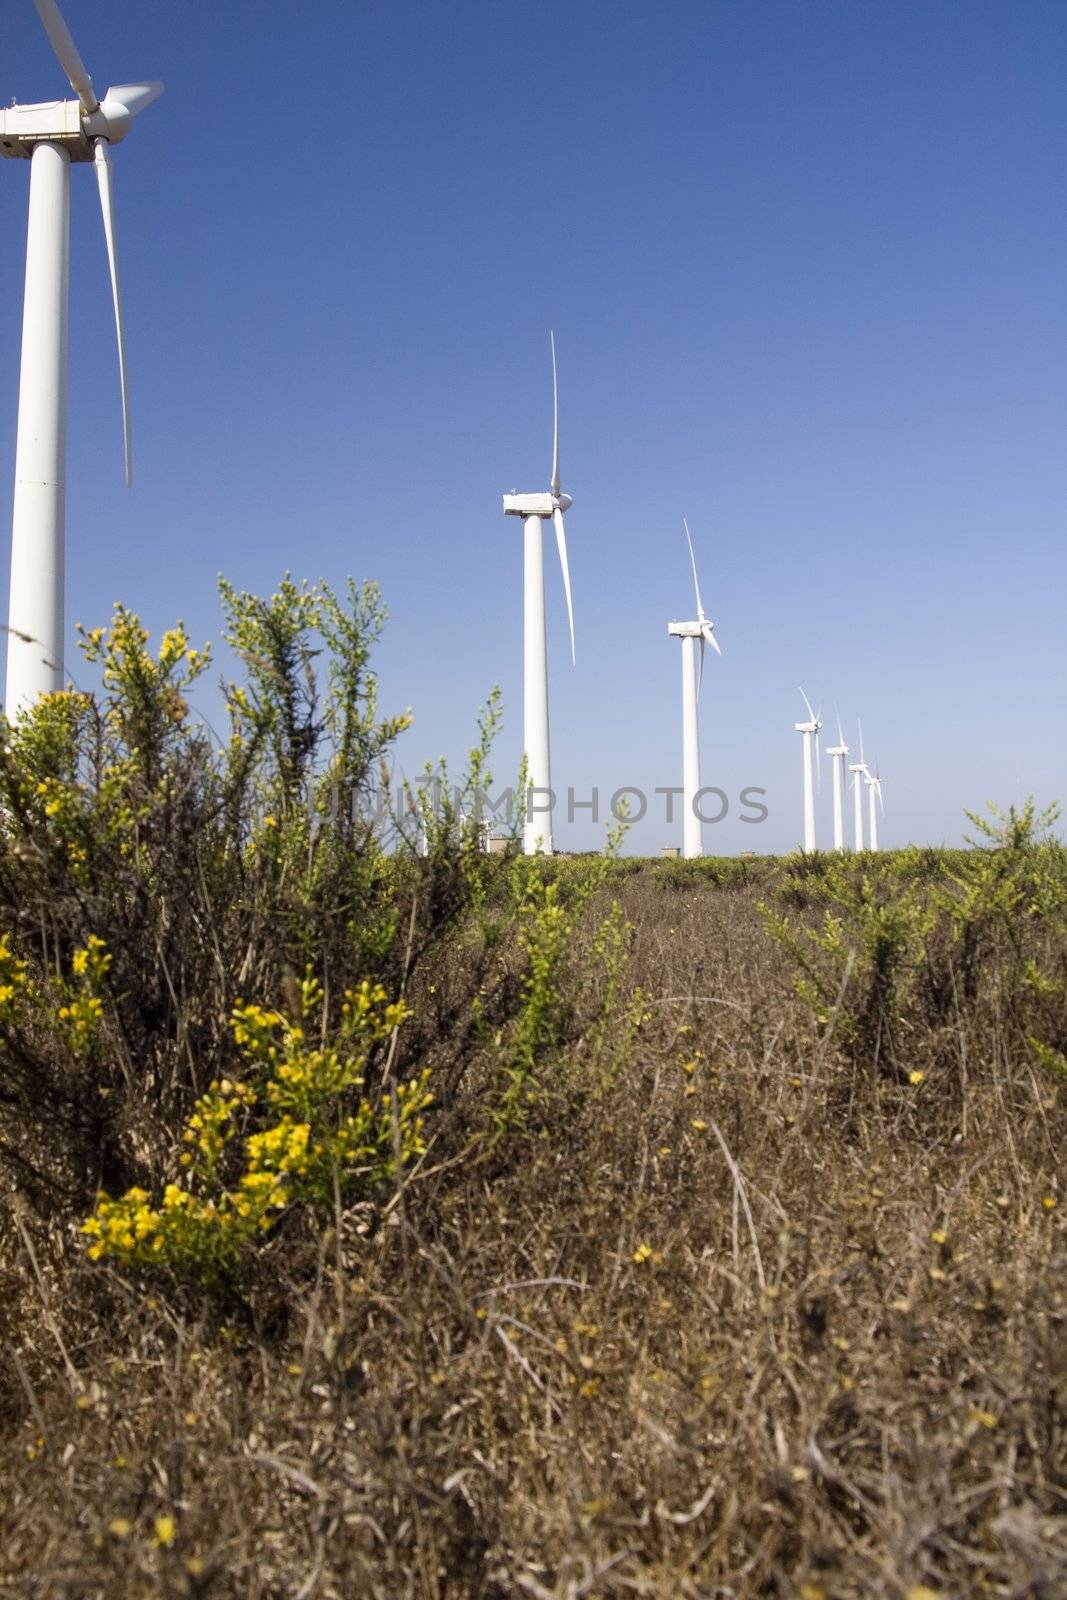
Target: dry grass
[732, 1316]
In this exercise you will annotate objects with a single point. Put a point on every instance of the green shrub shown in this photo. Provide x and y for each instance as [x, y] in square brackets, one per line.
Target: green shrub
[857, 966]
[909, 940]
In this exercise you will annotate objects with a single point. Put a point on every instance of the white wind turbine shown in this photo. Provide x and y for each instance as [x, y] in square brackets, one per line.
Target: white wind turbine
[50, 136]
[858, 770]
[837, 754]
[874, 802]
[810, 730]
[689, 633]
[535, 509]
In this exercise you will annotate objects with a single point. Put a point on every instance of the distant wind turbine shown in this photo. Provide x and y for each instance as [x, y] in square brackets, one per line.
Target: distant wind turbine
[837, 754]
[810, 730]
[689, 633]
[874, 802]
[535, 509]
[858, 770]
[50, 136]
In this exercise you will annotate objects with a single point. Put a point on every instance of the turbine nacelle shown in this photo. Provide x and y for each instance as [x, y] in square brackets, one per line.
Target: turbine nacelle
[22, 127]
[67, 123]
[530, 505]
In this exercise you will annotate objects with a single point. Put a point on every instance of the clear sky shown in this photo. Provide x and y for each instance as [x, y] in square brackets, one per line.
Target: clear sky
[805, 260]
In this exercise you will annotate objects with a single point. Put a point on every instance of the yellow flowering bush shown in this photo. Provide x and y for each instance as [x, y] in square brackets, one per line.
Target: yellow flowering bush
[305, 1129]
[14, 981]
[83, 1012]
[148, 692]
[122, 650]
[82, 1017]
[124, 814]
[46, 741]
[92, 962]
[81, 1008]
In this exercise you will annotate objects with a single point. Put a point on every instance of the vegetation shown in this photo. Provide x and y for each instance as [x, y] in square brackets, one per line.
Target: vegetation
[450, 1225]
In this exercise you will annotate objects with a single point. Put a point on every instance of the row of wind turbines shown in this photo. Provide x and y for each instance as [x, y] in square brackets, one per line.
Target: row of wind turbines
[861, 774]
[53, 134]
[535, 510]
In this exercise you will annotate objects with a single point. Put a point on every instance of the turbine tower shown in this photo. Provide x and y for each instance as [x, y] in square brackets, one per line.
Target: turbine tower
[858, 769]
[810, 730]
[837, 753]
[874, 801]
[689, 633]
[50, 136]
[535, 509]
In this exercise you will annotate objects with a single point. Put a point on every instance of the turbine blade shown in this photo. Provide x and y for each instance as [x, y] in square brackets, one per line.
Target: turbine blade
[708, 633]
[66, 52]
[818, 764]
[860, 725]
[811, 715]
[561, 545]
[102, 163]
[693, 563]
[555, 420]
[840, 733]
[700, 675]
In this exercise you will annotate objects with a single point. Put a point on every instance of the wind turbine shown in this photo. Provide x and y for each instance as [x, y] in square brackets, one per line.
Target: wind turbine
[810, 730]
[50, 136]
[858, 770]
[874, 789]
[689, 632]
[837, 753]
[535, 510]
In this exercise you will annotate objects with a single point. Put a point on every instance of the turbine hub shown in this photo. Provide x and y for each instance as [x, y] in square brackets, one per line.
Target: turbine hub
[110, 121]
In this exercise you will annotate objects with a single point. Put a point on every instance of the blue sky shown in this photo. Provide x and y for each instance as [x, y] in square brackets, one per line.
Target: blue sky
[805, 263]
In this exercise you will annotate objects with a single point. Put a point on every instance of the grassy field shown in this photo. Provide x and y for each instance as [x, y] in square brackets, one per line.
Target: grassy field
[727, 1259]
